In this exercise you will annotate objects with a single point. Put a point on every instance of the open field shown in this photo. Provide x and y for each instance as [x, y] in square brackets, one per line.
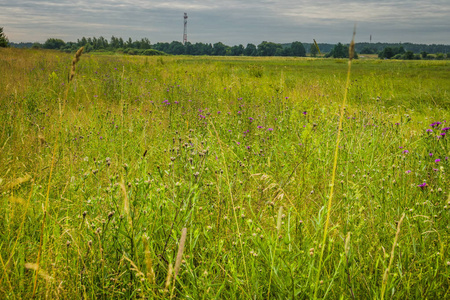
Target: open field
[99, 176]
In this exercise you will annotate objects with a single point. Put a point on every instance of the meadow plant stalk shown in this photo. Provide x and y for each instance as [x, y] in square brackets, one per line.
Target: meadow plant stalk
[336, 153]
[391, 259]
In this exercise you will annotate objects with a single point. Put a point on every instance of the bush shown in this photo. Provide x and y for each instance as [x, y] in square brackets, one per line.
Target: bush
[151, 52]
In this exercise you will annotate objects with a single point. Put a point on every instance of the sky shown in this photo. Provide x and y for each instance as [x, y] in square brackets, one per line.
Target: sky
[232, 22]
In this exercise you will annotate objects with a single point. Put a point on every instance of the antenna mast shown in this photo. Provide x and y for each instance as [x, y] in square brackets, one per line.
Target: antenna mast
[185, 29]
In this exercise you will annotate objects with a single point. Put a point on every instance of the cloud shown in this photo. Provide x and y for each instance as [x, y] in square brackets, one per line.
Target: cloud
[229, 21]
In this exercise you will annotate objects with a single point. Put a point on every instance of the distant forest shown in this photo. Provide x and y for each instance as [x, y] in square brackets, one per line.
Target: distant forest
[144, 47]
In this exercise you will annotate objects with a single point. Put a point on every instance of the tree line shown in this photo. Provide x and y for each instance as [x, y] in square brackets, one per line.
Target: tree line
[265, 48]
[144, 46]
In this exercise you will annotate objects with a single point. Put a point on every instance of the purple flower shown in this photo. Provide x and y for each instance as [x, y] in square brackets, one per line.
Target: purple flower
[259, 126]
[446, 129]
[397, 124]
[248, 147]
[408, 171]
[437, 160]
[430, 154]
[443, 134]
[251, 119]
[269, 129]
[218, 112]
[239, 112]
[304, 113]
[423, 185]
[429, 130]
[405, 151]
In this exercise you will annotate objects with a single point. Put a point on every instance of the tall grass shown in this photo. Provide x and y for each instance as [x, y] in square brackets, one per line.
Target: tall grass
[209, 178]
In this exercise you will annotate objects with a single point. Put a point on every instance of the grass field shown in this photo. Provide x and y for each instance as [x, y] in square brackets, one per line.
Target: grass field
[99, 177]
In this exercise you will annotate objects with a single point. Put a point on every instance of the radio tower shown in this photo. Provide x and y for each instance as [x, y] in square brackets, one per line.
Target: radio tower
[185, 29]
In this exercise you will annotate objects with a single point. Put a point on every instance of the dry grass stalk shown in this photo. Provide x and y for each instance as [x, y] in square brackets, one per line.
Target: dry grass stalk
[126, 203]
[386, 272]
[180, 251]
[168, 278]
[40, 272]
[75, 60]
[280, 216]
[18, 181]
[148, 263]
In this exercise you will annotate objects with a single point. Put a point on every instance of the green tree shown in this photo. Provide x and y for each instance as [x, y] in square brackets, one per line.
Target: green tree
[54, 44]
[219, 49]
[268, 48]
[424, 54]
[388, 53]
[408, 55]
[250, 50]
[338, 51]
[4, 42]
[297, 49]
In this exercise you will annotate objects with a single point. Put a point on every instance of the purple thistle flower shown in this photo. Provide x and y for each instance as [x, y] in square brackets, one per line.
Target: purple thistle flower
[259, 126]
[304, 113]
[430, 130]
[251, 119]
[408, 171]
[405, 151]
[423, 185]
[437, 160]
[430, 154]
[446, 129]
[269, 129]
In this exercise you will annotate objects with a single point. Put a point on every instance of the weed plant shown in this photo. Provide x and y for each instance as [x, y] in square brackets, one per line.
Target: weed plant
[209, 177]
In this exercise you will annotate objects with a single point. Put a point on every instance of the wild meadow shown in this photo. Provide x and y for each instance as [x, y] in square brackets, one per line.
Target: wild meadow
[210, 177]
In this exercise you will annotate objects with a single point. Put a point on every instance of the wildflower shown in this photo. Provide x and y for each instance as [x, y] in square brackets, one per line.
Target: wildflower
[269, 129]
[304, 113]
[437, 160]
[251, 119]
[430, 154]
[259, 126]
[430, 130]
[405, 151]
[408, 171]
[423, 185]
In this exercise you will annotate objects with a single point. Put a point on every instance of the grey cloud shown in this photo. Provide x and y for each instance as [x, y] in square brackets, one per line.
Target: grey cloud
[229, 21]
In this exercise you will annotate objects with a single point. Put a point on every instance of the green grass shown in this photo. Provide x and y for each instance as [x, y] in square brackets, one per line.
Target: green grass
[223, 176]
